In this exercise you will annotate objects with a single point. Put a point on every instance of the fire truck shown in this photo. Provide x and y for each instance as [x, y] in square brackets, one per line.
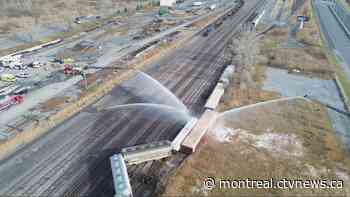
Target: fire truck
[72, 70]
[8, 101]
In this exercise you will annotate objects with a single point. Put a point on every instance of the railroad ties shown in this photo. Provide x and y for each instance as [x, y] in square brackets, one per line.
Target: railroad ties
[186, 141]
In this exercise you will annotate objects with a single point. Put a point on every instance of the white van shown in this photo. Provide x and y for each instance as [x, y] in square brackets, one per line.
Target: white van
[197, 3]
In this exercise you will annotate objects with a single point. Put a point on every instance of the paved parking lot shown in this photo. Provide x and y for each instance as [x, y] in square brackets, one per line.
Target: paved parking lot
[321, 90]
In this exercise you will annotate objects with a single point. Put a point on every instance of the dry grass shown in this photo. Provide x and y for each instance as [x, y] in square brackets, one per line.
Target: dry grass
[18, 16]
[53, 104]
[310, 59]
[310, 34]
[90, 80]
[302, 128]
[235, 97]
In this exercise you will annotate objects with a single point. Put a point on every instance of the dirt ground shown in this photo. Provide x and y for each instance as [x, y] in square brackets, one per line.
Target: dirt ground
[290, 140]
[240, 97]
[20, 15]
[53, 104]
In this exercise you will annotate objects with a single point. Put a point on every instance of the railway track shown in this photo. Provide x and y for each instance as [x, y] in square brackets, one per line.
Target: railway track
[170, 83]
[80, 165]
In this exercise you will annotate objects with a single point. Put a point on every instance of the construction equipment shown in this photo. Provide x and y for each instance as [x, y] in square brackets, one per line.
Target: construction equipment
[72, 70]
[8, 77]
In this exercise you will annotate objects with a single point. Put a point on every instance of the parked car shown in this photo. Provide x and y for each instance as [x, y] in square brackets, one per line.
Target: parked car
[9, 64]
[212, 7]
[20, 67]
[58, 60]
[84, 19]
[8, 77]
[197, 3]
[64, 61]
[35, 64]
[7, 90]
[8, 101]
[21, 90]
[23, 75]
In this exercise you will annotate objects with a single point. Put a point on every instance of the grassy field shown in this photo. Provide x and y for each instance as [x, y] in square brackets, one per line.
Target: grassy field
[310, 59]
[291, 140]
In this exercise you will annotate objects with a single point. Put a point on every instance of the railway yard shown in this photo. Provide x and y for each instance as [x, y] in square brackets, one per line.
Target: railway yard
[72, 159]
[135, 80]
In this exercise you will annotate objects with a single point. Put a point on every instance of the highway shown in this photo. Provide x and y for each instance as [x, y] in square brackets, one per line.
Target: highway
[336, 38]
[73, 158]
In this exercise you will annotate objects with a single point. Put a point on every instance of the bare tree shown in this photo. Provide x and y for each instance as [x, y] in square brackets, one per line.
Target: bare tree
[244, 50]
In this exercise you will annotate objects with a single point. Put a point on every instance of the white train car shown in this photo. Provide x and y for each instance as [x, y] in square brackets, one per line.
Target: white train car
[192, 140]
[147, 152]
[176, 143]
[120, 174]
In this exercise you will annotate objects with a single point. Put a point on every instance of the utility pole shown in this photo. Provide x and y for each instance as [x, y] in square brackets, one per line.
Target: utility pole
[83, 74]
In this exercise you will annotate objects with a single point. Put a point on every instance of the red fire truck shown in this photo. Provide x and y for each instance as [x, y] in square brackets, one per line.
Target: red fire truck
[8, 101]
